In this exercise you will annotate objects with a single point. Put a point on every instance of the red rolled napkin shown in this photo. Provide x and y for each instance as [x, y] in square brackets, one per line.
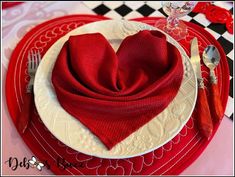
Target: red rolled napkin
[114, 94]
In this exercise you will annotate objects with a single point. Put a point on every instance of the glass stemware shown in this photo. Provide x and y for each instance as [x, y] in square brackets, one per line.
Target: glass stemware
[172, 25]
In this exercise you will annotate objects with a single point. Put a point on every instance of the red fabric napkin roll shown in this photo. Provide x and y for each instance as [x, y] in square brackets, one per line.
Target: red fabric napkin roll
[114, 94]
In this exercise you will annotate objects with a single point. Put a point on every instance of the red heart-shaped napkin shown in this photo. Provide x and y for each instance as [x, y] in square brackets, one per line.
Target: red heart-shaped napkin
[114, 94]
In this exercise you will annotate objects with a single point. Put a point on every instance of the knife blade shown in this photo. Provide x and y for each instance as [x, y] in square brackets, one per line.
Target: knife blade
[195, 58]
[204, 120]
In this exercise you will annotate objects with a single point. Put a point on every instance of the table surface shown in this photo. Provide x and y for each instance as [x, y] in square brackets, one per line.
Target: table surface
[217, 159]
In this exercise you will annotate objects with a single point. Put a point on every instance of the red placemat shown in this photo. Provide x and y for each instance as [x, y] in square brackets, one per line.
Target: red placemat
[170, 159]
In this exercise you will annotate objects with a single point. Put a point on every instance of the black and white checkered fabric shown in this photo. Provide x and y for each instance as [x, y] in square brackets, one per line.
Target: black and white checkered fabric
[135, 9]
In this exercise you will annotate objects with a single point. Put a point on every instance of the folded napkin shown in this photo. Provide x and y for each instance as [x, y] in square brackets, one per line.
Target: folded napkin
[114, 94]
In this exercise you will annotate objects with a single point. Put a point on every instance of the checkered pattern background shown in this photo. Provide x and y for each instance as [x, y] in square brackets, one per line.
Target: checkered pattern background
[135, 9]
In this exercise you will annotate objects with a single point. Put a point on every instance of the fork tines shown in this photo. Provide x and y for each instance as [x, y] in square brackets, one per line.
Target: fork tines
[34, 58]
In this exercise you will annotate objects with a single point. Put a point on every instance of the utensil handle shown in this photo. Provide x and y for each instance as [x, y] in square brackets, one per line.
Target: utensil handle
[217, 107]
[24, 118]
[204, 117]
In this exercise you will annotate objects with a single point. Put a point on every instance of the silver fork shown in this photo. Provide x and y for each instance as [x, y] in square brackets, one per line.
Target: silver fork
[34, 59]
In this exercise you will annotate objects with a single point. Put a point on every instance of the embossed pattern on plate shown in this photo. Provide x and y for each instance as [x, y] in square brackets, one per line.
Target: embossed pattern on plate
[71, 132]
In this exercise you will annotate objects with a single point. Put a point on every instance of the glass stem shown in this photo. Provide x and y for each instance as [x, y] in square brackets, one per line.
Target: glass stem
[172, 21]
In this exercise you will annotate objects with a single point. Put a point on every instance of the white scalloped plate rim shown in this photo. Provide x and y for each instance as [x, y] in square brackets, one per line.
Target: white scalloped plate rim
[41, 76]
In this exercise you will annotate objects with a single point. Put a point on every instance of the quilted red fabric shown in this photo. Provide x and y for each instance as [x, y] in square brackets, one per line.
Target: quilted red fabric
[114, 94]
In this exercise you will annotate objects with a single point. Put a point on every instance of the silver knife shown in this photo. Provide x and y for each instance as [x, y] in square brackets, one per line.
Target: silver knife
[195, 60]
[204, 120]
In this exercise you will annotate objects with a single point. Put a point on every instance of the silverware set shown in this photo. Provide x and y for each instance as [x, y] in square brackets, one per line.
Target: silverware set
[211, 58]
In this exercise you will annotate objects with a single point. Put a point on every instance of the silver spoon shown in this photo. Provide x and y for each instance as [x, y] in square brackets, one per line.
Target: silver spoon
[211, 58]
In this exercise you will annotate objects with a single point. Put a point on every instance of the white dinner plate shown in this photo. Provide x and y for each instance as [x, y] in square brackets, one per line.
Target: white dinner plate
[149, 137]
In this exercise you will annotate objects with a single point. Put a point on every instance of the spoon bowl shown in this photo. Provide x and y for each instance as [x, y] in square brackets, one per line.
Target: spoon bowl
[211, 57]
